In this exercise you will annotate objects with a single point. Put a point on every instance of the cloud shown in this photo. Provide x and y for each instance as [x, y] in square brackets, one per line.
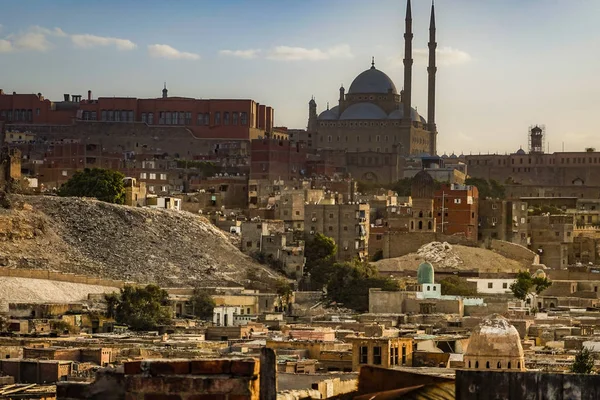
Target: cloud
[287, 53]
[247, 54]
[166, 51]
[88, 41]
[31, 41]
[49, 32]
[5, 46]
[444, 56]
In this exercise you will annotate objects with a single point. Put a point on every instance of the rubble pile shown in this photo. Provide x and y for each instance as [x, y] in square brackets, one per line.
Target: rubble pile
[84, 236]
[440, 254]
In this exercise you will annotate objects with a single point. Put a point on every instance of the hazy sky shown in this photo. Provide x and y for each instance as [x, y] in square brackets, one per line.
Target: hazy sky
[503, 64]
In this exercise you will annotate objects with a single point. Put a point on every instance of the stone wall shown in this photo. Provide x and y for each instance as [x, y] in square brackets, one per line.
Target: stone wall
[176, 380]
[398, 244]
[60, 276]
[475, 385]
[514, 251]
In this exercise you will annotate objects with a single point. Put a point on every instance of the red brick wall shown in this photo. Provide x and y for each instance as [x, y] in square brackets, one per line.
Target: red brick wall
[460, 217]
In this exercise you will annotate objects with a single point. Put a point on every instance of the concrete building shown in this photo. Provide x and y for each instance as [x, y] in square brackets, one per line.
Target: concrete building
[503, 220]
[456, 208]
[422, 194]
[492, 285]
[385, 352]
[273, 159]
[167, 203]
[551, 236]
[135, 192]
[347, 224]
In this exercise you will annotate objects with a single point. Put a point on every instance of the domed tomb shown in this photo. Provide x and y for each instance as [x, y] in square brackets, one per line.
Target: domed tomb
[425, 274]
[422, 186]
[495, 344]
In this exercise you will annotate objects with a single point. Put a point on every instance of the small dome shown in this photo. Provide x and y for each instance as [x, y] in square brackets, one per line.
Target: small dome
[444, 155]
[422, 186]
[521, 152]
[399, 114]
[372, 81]
[539, 274]
[331, 114]
[425, 274]
[453, 155]
[495, 344]
[363, 111]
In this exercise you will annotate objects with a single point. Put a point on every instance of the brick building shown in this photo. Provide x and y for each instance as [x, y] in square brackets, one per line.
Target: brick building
[456, 208]
[503, 220]
[206, 118]
[277, 159]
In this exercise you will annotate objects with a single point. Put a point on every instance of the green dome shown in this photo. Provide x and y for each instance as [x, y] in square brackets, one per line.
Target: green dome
[425, 274]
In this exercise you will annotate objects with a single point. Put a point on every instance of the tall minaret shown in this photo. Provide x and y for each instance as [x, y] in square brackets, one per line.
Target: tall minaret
[408, 62]
[165, 92]
[312, 115]
[431, 71]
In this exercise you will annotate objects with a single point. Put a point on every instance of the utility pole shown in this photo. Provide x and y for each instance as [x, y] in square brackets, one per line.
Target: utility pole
[443, 209]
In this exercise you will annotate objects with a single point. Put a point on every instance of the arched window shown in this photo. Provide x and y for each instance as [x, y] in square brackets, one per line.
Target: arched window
[420, 214]
[476, 364]
[509, 365]
[420, 225]
[519, 365]
[487, 364]
[428, 288]
[412, 224]
[429, 225]
[469, 364]
[499, 365]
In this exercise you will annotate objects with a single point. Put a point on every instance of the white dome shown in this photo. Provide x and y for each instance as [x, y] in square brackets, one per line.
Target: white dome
[363, 111]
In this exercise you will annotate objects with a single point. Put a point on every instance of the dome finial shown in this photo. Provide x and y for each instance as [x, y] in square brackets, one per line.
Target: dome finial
[328, 105]
[373, 62]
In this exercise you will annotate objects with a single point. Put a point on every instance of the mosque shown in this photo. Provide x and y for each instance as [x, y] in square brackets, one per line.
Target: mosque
[374, 121]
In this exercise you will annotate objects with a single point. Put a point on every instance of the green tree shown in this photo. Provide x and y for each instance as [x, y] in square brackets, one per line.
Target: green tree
[203, 304]
[584, 362]
[320, 252]
[487, 189]
[349, 284]
[525, 283]
[142, 308]
[103, 184]
[545, 209]
[455, 286]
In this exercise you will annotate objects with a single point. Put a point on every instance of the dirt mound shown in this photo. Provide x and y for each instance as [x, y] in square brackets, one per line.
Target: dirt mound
[167, 247]
[446, 257]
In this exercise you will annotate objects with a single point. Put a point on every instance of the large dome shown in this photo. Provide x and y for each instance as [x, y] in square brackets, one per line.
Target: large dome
[363, 111]
[372, 81]
[495, 344]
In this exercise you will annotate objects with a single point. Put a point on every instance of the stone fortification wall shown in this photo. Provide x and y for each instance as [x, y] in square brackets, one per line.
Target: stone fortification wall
[60, 276]
[514, 251]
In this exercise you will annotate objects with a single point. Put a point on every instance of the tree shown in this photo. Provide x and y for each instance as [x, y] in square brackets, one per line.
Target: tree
[103, 184]
[487, 189]
[203, 304]
[320, 252]
[349, 284]
[454, 286]
[584, 362]
[525, 284]
[142, 308]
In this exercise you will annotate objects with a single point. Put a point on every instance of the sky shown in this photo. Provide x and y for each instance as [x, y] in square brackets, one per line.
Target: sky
[503, 65]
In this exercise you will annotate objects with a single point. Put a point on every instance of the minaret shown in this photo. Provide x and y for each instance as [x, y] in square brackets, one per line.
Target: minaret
[431, 70]
[165, 91]
[312, 115]
[341, 100]
[408, 62]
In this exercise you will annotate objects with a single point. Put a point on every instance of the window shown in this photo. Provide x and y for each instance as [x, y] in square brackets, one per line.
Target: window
[234, 118]
[249, 243]
[494, 220]
[487, 364]
[226, 118]
[490, 285]
[457, 201]
[152, 176]
[504, 285]
[363, 355]
[200, 119]
[163, 177]
[175, 118]
[244, 118]
[218, 118]
[330, 228]
[144, 118]
[494, 206]
[168, 118]
[377, 355]
[188, 118]
[37, 111]
[143, 175]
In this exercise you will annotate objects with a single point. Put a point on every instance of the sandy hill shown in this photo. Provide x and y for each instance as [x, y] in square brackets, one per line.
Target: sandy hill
[144, 245]
[446, 257]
